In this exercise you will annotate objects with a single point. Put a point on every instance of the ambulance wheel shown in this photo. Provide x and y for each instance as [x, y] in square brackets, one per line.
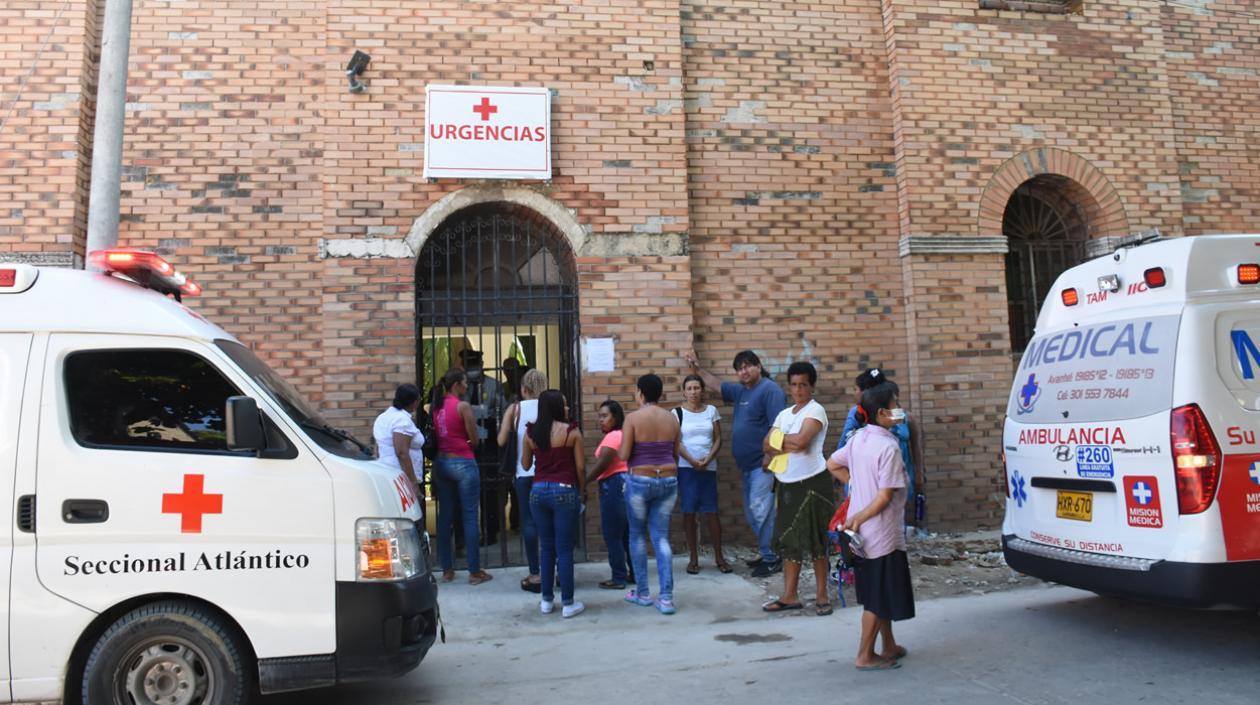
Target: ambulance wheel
[167, 653]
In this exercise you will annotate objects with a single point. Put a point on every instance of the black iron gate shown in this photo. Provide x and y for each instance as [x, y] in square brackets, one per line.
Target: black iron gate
[496, 293]
[1041, 246]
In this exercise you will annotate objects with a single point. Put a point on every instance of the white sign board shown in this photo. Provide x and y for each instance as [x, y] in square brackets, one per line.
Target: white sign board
[598, 354]
[487, 132]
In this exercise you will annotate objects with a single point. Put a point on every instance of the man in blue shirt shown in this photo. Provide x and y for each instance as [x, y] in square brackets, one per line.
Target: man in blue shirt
[757, 401]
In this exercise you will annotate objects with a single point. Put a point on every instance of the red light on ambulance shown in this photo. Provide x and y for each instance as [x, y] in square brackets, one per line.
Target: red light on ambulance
[1249, 274]
[1196, 459]
[8, 277]
[1070, 297]
[145, 268]
[1154, 277]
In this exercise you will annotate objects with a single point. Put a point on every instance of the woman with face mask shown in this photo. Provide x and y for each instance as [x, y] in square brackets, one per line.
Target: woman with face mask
[909, 438]
[870, 463]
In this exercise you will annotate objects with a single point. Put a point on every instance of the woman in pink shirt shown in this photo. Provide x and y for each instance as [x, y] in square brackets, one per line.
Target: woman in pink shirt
[456, 474]
[871, 464]
[610, 470]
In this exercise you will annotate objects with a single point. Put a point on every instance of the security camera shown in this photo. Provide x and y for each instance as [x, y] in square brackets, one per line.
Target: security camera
[355, 68]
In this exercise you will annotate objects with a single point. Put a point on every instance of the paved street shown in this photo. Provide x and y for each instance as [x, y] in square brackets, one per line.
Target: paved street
[1040, 645]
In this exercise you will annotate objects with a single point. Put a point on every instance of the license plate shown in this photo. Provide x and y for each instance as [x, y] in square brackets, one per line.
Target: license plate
[1078, 506]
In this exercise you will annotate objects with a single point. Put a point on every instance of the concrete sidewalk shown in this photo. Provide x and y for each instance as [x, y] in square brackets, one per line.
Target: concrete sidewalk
[1031, 645]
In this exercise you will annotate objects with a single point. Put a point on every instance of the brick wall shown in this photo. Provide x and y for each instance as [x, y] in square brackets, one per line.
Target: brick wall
[788, 148]
[48, 52]
[1213, 59]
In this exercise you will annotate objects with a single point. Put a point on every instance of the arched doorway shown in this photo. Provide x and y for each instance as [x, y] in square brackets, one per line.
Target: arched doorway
[1047, 223]
[496, 293]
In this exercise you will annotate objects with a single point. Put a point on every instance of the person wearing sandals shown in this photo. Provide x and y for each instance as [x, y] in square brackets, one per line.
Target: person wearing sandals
[518, 416]
[872, 465]
[610, 472]
[457, 476]
[697, 477]
[804, 491]
[649, 443]
[553, 447]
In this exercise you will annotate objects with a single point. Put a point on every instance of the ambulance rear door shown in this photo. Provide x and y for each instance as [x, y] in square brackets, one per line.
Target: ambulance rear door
[138, 494]
[14, 351]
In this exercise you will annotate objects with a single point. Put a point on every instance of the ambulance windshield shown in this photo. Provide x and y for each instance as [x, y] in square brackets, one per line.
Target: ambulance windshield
[292, 402]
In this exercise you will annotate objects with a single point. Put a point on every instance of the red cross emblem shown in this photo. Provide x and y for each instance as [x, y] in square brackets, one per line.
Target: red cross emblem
[485, 109]
[192, 504]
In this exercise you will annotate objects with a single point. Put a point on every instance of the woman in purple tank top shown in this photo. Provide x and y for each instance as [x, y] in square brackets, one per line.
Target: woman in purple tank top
[649, 445]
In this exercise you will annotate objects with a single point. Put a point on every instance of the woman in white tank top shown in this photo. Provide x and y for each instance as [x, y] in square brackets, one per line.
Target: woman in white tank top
[516, 416]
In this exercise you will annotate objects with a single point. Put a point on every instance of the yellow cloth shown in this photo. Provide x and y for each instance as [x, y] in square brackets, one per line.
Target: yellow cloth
[778, 463]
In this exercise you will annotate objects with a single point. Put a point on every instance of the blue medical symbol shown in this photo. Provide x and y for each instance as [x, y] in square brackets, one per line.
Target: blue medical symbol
[1254, 472]
[1017, 489]
[1029, 394]
[1142, 493]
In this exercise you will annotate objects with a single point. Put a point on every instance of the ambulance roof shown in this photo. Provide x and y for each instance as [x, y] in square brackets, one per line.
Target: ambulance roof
[77, 301]
[1194, 268]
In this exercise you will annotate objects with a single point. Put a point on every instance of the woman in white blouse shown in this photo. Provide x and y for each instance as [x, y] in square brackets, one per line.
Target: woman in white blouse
[698, 446]
[398, 440]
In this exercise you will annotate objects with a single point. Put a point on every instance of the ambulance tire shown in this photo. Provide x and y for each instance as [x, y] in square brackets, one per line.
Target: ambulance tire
[171, 653]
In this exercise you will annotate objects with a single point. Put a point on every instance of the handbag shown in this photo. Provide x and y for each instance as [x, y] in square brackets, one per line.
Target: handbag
[508, 453]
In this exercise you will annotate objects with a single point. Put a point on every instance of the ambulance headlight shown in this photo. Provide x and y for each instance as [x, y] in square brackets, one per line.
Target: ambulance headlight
[389, 549]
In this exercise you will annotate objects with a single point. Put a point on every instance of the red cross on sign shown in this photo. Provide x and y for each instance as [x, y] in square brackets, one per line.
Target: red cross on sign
[192, 504]
[485, 109]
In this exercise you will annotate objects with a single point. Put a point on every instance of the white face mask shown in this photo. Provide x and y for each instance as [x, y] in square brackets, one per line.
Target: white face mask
[898, 414]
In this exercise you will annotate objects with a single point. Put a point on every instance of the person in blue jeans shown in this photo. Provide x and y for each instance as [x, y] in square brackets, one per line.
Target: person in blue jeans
[517, 417]
[553, 447]
[649, 446]
[757, 400]
[457, 475]
[610, 471]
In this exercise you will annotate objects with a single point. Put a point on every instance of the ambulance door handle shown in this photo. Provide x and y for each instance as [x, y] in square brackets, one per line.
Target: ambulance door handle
[85, 511]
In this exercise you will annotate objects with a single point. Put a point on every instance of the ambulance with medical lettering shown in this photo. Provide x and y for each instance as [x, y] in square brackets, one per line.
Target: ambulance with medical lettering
[181, 526]
[1130, 443]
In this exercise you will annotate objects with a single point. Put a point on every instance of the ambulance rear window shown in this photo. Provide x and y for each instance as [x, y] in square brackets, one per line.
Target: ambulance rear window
[1106, 371]
[147, 399]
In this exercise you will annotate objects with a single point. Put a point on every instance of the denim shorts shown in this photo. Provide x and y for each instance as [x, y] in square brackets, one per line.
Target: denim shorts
[697, 491]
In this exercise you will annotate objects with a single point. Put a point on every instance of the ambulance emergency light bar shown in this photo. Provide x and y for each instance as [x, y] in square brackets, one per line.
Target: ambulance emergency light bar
[147, 269]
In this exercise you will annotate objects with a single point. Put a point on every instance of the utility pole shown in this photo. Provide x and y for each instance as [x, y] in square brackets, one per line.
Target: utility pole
[107, 134]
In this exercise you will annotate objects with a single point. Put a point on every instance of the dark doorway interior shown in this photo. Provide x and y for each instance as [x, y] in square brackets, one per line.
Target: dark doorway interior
[496, 293]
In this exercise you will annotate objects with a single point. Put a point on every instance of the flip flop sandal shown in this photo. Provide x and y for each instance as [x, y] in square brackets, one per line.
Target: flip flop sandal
[725, 568]
[528, 586]
[822, 609]
[900, 654]
[479, 578]
[886, 666]
[612, 585]
[448, 576]
[781, 606]
[692, 569]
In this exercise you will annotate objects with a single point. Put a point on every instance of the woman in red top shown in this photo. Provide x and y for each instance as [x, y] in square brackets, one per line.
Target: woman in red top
[555, 446]
[456, 474]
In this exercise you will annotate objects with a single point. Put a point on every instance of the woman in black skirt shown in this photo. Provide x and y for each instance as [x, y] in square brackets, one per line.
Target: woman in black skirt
[871, 465]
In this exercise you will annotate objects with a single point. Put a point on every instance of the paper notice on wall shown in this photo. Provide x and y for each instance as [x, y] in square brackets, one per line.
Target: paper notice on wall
[597, 354]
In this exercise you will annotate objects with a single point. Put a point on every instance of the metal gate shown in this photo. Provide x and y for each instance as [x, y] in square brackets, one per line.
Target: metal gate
[496, 293]
[1041, 246]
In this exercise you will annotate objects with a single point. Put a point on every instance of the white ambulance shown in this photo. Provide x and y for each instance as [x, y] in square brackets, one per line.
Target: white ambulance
[181, 527]
[1131, 453]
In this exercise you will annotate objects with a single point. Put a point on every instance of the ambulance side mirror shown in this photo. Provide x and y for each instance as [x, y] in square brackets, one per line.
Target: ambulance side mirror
[244, 425]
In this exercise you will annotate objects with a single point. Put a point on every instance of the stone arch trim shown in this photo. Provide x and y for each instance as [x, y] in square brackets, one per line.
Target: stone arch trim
[1112, 219]
[557, 215]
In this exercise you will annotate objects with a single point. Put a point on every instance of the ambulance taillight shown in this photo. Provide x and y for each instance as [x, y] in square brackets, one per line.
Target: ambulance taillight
[1249, 274]
[1196, 459]
[8, 277]
[1154, 277]
[147, 269]
[1070, 298]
